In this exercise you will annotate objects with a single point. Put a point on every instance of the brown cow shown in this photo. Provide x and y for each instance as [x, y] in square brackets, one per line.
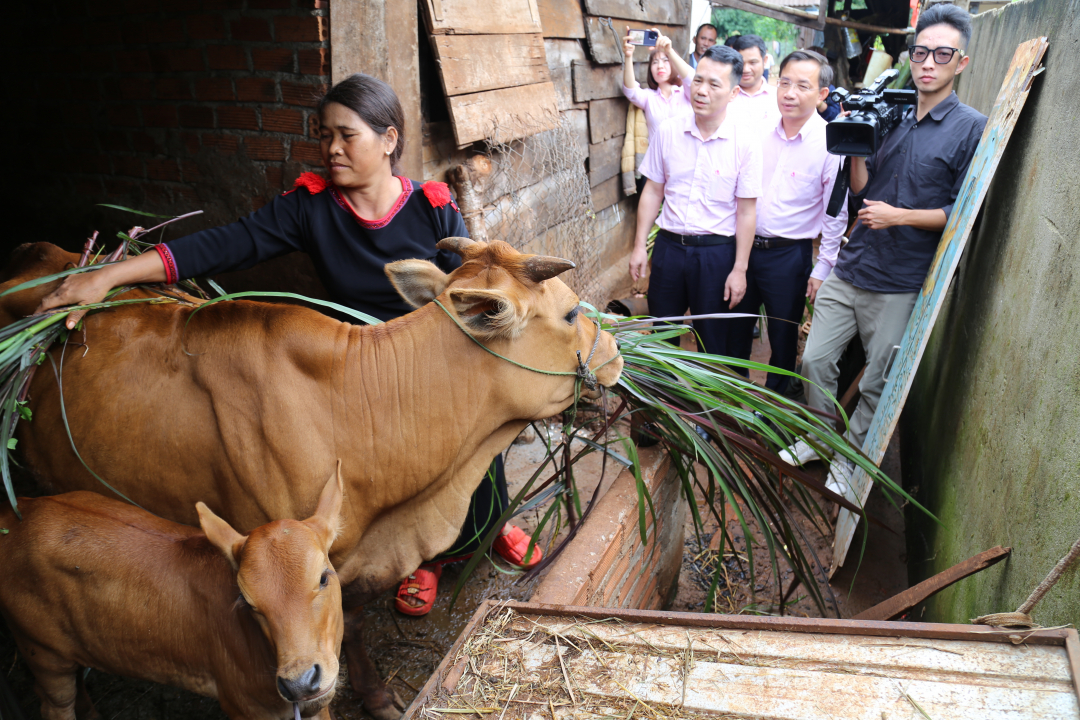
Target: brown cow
[253, 621]
[251, 396]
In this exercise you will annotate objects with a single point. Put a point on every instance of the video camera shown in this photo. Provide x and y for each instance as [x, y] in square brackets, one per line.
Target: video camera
[875, 111]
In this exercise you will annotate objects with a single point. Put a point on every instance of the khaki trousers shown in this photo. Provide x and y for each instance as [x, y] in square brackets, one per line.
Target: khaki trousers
[840, 311]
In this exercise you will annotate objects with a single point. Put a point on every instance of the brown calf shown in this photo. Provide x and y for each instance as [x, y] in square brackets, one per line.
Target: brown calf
[253, 621]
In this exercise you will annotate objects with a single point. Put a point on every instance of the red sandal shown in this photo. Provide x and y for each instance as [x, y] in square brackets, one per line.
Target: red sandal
[421, 585]
[514, 544]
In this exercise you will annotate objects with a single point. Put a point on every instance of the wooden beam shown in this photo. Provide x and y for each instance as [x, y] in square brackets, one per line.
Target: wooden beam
[900, 603]
[607, 193]
[605, 160]
[514, 112]
[607, 118]
[999, 127]
[475, 63]
[561, 18]
[606, 49]
[595, 83]
[465, 17]
[672, 12]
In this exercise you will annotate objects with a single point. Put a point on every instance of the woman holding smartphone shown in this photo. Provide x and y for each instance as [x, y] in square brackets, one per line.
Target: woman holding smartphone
[667, 96]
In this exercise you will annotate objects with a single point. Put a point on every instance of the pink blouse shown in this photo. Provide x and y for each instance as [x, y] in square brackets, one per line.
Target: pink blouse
[658, 108]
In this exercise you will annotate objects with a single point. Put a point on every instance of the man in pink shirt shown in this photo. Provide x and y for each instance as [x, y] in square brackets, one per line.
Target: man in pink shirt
[756, 100]
[706, 170]
[797, 183]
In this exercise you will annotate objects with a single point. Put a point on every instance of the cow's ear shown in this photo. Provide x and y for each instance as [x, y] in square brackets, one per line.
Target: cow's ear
[487, 313]
[418, 281]
[221, 535]
[326, 521]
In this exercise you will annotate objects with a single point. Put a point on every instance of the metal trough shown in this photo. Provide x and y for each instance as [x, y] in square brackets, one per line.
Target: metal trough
[526, 660]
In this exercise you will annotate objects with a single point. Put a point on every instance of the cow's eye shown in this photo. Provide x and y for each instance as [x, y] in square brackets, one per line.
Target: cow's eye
[324, 580]
[572, 315]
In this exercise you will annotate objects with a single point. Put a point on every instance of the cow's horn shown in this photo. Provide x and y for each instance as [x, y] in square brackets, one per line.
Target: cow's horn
[455, 244]
[541, 267]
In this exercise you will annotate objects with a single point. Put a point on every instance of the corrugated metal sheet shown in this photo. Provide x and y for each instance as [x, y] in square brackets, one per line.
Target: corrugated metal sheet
[554, 663]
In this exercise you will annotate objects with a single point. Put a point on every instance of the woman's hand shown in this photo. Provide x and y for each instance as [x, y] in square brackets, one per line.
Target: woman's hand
[92, 287]
[628, 47]
[663, 42]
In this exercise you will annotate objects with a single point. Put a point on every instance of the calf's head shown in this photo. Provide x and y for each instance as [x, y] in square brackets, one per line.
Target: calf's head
[287, 582]
[516, 306]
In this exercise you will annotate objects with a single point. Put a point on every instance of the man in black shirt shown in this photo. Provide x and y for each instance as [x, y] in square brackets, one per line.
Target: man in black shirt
[908, 189]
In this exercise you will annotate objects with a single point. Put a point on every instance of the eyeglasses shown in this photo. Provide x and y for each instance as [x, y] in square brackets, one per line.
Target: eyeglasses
[786, 84]
[942, 55]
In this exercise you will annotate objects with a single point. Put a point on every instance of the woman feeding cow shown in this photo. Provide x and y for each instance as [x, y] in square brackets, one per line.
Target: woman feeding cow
[361, 140]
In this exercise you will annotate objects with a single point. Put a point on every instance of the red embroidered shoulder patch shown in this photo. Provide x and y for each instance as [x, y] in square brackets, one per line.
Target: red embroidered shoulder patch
[315, 184]
[437, 193]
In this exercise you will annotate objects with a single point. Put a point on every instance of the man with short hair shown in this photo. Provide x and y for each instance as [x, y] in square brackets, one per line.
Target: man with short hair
[706, 170]
[756, 100]
[704, 39]
[797, 183]
[909, 186]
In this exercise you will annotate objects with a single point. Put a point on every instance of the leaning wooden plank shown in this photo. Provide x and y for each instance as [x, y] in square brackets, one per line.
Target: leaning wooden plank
[509, 113]
[497, 17]
[605, 160]
[902, 602]
[607, 193]
[561, 18]
[596, 83]
[475, 63]
[606, 49]
[999, 127]
[676, 12]
[607, 118]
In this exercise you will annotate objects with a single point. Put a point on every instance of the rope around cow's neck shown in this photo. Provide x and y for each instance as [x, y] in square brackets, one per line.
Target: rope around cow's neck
[583, 373]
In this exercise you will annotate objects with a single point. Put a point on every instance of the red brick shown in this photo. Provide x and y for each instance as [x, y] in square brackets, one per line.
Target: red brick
[257, 203]
[301, 93]
[286, 121]
[133, 61]
[314, 62]
[275, 177]
[306, 152]
[123, 115]
[242, 118]
[173, 89]
[190, 171]
[157, 196]
[128, 165]
[314, 125]
[196, 116]
[273, 59]
[269, 4]
[221, 144]
[256, 89]
[161, 31]
[113, 140]
[191, 143]
[214, 89]
[135, 89]
[106, 33]
[291, 28]
[144, 142]
[206, 27]
[177, 60]
[186, 197]
[226, 57]
[159, 116]
[162, 169]
[263, 148]
[250, 29]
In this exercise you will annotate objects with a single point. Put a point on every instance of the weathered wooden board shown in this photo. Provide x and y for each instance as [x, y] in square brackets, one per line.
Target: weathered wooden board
[607, 193]
[605, 160]
[676, 12]
[578, 120]
[560, 57]
[516, 112]
[561, 18]
[1006, 111]
[587, 663]
[495, 17]
[605, 49]
[597, 83]
[474, 63]
[607, 118]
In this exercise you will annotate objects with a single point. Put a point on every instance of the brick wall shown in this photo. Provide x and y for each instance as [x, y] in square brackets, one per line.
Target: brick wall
[607, 565]
[162, 105]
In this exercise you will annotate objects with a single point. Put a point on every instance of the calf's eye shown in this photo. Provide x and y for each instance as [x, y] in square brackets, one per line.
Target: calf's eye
[324, 579]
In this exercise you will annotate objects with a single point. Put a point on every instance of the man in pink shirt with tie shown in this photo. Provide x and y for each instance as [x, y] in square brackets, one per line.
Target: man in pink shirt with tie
[706, 170]
[797, 183]
[756, 100]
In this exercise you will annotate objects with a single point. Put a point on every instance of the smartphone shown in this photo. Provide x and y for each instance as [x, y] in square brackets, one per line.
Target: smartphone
[644, 37]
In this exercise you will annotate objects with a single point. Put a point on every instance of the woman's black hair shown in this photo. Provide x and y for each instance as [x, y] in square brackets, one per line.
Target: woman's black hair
[651, 81]
[375, 102]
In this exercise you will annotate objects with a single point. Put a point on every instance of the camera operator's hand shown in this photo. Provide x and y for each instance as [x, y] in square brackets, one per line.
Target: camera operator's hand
[878, 215]
[812, 286]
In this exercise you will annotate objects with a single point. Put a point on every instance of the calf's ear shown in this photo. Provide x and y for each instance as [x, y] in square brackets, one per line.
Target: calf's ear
[326, 522]
[488, 313]
[221, 535]
[418, 281]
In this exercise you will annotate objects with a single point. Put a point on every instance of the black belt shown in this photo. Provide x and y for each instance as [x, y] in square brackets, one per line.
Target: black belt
[697, 240]
[777, 242]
